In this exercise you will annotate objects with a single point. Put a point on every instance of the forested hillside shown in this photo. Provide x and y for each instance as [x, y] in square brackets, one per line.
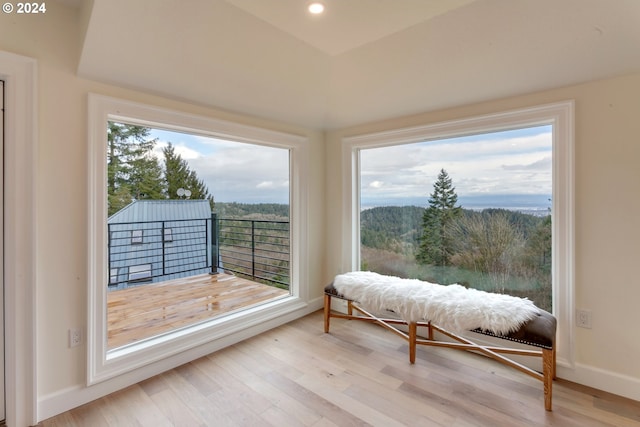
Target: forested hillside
[271, 211]
[395, 228]
[495, 250]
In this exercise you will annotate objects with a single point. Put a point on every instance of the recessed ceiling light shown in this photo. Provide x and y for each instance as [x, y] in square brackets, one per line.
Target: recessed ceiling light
[316, 8]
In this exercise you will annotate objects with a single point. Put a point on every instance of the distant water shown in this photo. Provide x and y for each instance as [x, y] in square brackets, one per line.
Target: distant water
[538, 205]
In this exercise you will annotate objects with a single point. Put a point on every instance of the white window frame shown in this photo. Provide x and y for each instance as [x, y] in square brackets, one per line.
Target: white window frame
[561, 116]
[103, 364]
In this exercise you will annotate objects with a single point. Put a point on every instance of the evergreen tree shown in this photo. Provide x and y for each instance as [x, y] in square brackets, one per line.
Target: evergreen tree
[435, 247]
[146, 178]
[133, 173]
[178, 174]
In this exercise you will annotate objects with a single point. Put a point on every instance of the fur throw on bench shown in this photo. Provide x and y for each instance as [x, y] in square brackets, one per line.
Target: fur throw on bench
[451, 307]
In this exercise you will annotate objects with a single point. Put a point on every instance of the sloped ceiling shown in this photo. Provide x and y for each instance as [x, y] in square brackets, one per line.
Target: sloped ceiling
[349, 24]
[263, 58]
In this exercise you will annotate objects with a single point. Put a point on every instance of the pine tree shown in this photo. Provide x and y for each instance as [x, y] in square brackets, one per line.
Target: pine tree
[133, 172]
[178, 174]
[438, 217]
[146, 178]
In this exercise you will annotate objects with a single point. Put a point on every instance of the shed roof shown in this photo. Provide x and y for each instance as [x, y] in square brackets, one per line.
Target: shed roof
[161, 210]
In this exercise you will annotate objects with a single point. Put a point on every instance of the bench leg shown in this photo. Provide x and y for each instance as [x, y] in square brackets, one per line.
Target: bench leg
[413, 333]
[548, 372]
[327, 312]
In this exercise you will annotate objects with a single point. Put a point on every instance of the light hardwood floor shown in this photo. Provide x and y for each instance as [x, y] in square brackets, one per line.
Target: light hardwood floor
[357, 375]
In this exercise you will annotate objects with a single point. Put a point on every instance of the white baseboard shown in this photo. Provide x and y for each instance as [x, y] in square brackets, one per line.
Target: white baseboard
[611, 382]
[64, 400]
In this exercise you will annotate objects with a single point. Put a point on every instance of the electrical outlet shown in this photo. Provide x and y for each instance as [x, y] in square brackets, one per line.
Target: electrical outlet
[583, 319]
[75, 337]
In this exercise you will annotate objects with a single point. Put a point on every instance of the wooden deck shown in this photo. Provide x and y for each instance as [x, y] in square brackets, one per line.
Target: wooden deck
[150, 310]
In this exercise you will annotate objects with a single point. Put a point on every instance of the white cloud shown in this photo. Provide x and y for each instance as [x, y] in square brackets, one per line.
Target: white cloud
[491, 165]
[232, 171]
[185, 152]
[265, 184]
[543, 164]
[244, 172]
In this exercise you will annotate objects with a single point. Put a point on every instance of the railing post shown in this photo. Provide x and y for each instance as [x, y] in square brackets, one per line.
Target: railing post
[164, 243]
[109, 255]
[253, 249]
[215, 248]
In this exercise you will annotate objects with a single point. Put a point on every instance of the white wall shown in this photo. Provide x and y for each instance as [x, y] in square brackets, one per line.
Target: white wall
[607, 202]
[54, 41]
[607, 227]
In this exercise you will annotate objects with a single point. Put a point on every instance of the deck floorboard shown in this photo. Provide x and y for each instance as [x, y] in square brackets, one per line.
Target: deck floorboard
[149, 310]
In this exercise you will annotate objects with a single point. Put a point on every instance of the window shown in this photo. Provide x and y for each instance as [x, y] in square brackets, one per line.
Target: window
[136, 237]
[474, 210]
[113, 276]
[139, 273]
[365, 180]
[108, 221]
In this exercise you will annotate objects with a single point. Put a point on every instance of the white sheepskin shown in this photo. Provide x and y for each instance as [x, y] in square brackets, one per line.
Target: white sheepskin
[451, 307]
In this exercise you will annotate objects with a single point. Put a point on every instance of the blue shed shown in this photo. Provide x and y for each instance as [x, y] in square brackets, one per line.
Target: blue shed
[156, 240]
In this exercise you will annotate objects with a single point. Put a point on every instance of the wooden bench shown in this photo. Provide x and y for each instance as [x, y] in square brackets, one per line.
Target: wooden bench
[539, 332]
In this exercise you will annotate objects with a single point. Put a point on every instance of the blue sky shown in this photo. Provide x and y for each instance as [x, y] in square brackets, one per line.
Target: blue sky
[495, 169]
[486, 169]
[232, 171]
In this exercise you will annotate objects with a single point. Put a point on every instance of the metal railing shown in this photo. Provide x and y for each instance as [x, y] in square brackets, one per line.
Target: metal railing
[154, 251]
[257, 249]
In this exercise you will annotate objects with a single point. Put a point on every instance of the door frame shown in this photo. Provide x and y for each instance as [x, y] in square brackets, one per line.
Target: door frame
[20, 137]
[3, 410]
